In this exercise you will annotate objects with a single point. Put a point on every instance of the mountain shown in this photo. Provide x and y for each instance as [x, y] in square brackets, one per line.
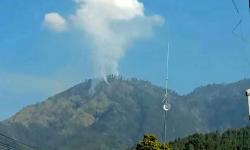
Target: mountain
[116, 114]
[220, 106]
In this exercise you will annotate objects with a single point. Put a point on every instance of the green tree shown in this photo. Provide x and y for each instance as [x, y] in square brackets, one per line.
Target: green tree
[150, 142]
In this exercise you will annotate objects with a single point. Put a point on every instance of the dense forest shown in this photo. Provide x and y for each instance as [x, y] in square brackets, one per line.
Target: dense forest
[233, 139]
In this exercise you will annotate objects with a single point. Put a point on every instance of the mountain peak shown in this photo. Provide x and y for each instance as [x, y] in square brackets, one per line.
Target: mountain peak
[116, 113]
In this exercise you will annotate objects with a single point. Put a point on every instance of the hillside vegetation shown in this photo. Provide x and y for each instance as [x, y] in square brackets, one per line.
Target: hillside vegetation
[116, 114]
[233, 139]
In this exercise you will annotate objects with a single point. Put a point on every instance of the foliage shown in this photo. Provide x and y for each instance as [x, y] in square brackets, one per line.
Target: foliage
[233, 139]
[112, 116]
[150, 142]
[237, 139]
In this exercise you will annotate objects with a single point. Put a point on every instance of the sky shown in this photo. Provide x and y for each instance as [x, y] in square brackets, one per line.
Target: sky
[37, 62]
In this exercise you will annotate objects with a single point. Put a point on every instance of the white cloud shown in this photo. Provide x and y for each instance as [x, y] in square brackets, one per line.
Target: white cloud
[112, 26]
[55, 22]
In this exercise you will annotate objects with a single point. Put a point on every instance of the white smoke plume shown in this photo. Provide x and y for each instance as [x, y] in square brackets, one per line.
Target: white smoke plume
[112, 26]
[55, 22]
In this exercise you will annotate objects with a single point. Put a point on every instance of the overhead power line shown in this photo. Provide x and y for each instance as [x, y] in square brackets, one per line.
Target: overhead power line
[8, 143]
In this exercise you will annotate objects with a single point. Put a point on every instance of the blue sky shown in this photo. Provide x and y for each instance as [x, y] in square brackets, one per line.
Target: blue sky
[36, 63]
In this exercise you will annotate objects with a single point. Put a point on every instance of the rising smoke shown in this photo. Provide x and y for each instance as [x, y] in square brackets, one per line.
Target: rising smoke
[112, 26]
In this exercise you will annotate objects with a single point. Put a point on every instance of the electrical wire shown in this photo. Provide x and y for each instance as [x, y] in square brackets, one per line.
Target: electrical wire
[239, 24]
[238, 27]
[11, 143]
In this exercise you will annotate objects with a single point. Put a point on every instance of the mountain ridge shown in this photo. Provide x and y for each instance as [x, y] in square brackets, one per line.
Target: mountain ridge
[117, 114]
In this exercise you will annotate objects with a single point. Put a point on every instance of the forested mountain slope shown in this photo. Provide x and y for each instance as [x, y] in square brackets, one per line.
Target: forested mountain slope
[116, 114]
